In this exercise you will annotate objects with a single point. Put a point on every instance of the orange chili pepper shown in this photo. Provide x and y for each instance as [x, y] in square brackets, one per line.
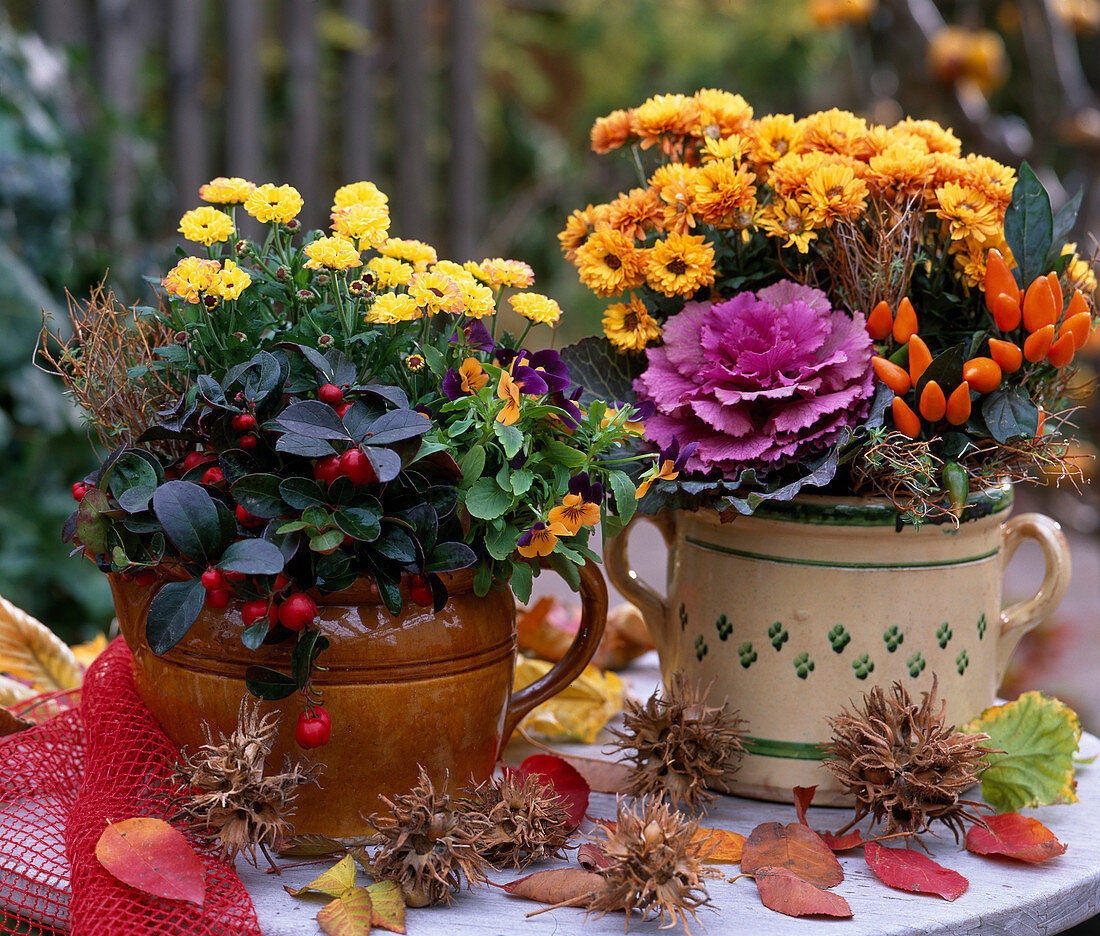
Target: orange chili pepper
[1008, 356]
[905, 420]
[1038, 307]
[983, 374]
[1061, 351]
[919, 357]
[1077, 325]
[933, 404]
[880, 322]
[1006, 312]
[998, 277]
[905, 322]
[958, 404]
[891, 374]
[1038, 344]
[1056, 293]
[1042, 422]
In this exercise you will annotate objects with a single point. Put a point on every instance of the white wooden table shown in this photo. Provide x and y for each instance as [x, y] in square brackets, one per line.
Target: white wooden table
[1005, 898]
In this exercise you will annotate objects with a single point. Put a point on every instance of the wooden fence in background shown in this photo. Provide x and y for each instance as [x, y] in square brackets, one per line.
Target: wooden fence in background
[311, 92]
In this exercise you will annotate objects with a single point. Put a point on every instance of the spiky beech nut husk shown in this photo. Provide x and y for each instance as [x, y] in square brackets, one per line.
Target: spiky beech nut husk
[426, 845]
[518, 820]
[903, 764]
[679, 745]
[221, 791]
[656, 866]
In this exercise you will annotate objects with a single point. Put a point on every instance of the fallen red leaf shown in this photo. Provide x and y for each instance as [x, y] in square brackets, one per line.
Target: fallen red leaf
[803, 796]
[843, 842]
[564, 778]
[559, 885]
[1014, 836]
[911, 870]
[152, 856]
[591, 857]
[795, 847]
[784, 891]
[719, 846]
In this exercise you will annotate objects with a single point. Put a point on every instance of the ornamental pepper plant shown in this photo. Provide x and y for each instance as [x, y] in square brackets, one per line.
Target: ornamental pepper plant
[315, 408]
[828, 302]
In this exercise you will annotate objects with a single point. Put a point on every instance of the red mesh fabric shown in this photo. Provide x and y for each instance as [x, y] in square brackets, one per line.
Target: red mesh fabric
[60, 783]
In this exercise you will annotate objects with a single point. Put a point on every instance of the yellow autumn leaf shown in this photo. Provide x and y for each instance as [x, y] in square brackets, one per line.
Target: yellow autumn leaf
[336, 881]
[30, 651]
[12, 691]
[86, 652]
[579, 711]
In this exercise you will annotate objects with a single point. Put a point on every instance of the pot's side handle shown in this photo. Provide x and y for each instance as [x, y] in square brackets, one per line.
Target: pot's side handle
[626, 580]
[1018, 619]
[577, 657]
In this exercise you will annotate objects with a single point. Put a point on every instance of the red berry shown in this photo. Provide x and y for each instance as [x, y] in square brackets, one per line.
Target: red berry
[218, 597]
[194, 459]
[312, 731]
[145, 577]
[212, 578]
[281, 582]
[245, 519]
[355, 466]
[330, 394]
[233, 576]
[252, 611]
[213, 476]
[342, 409]
[242, 422]
[297, 611]
[420, 591]
[79, 490]
[327, 469]
[247, 441]
[321, 712]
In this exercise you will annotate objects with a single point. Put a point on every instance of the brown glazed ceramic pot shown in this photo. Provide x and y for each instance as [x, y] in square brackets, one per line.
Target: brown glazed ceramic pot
[416, 689]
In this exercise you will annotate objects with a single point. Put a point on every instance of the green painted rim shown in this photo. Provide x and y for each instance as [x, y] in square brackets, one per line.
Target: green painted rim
[825, 564]
[870, 512]
[789, 750]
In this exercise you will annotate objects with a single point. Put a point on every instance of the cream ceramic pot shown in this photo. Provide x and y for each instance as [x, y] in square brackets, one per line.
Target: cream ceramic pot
[796, 611]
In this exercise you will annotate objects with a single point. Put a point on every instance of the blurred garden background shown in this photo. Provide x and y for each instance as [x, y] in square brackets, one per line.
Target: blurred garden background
[473, 115]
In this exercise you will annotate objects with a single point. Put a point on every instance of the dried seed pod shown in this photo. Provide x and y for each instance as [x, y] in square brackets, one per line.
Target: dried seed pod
[655, 865]
[903, 765]
[426, 845]
[222, 793]
[518, 820]
[679, 745]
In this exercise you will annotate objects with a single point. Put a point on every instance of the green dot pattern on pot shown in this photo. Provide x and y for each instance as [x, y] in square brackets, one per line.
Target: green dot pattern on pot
[747, 654]
[778, 635]
[916, 664]
[893, 638]
[863, 666]
[839, 638]
[962, 661]
[701, 648]
[944, 635]
[683, 614]
[982, 625]
[803, 665]
[724, 627]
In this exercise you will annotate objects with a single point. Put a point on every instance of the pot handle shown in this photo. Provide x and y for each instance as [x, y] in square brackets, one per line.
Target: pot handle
[626, 580]
[593, 620]
[1018, 619]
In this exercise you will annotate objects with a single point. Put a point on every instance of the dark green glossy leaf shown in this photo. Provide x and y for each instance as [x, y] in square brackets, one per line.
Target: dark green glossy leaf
[259, 495]
[1010, 414]
[447, 557]
[362, 522]
[385, 462]
[396, 425]
[174, 609]
[310, 643]
[301, 493]
[252, 557]
[255, 634]
[604, 373]
[520, 581]
[1063, 224]
[190, 519]
[394, 543]
[327, 541]
[136, 499]
[1029, 225]
[312, 419]
[294, 444]
[266, 683]
[131, 470]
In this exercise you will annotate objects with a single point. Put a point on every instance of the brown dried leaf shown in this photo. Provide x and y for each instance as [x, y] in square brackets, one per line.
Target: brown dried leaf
[591, 857]
[803, 796]
[557, 886]
[795, 847]
[310, 846]
[785, 892]
[602, 776]
[11, 724]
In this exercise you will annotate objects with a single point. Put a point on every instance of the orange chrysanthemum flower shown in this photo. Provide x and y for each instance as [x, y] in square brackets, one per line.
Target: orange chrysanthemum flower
[577, 228]
[833, 192]
[994, 180]
[967, 213]
[609, 263]
[836, 131]
[773, 137]
[663, 119]
[722, 191]
[678, 206]
[636, 213]
[680, 265]
[902, 168]
[611, 132]
[629, 326]
[721, 114]
[500, 272]
[938, 139]
[789, 220]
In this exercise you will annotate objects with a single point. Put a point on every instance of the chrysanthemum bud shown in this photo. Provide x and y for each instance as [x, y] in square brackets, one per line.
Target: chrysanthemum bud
[293, 225]
[324, 340]
[211, 302]
[322, 279]
[356, 287]
[280, 274]
[243, 248]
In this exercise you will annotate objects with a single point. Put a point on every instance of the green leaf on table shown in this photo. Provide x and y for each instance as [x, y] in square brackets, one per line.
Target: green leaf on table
[1039, 737]
[1029, 224]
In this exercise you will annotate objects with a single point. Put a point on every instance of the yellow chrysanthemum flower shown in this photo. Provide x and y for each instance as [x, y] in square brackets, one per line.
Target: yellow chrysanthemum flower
[629, 326]
[636, 213]
[724, 190]
[455, 271]
[773, 137]
[1079, 274]
[367, 224]
[679, 265]
[678, 206]
[967, 213]
[206, 225]
[994, 180]
[939, 140]
[901, 168]
[609, 263]
[333, 253]
[478, 300]
[577, 228]
[790, 174]
[274, 203]
[536, 307]
[419, 254]
[391, 309]
[733, 148]
[791, 221]
[435, 292]
[359, 193]
[671, 172]
[226, 191]
[834, 192]
[231, 282]
[664, 117]
[191, 277]
[499, 272]
[389, 272]
[721, 114]
[835, 131]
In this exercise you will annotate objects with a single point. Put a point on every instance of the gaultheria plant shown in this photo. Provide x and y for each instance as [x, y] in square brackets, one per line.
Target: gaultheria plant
[759, 379]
